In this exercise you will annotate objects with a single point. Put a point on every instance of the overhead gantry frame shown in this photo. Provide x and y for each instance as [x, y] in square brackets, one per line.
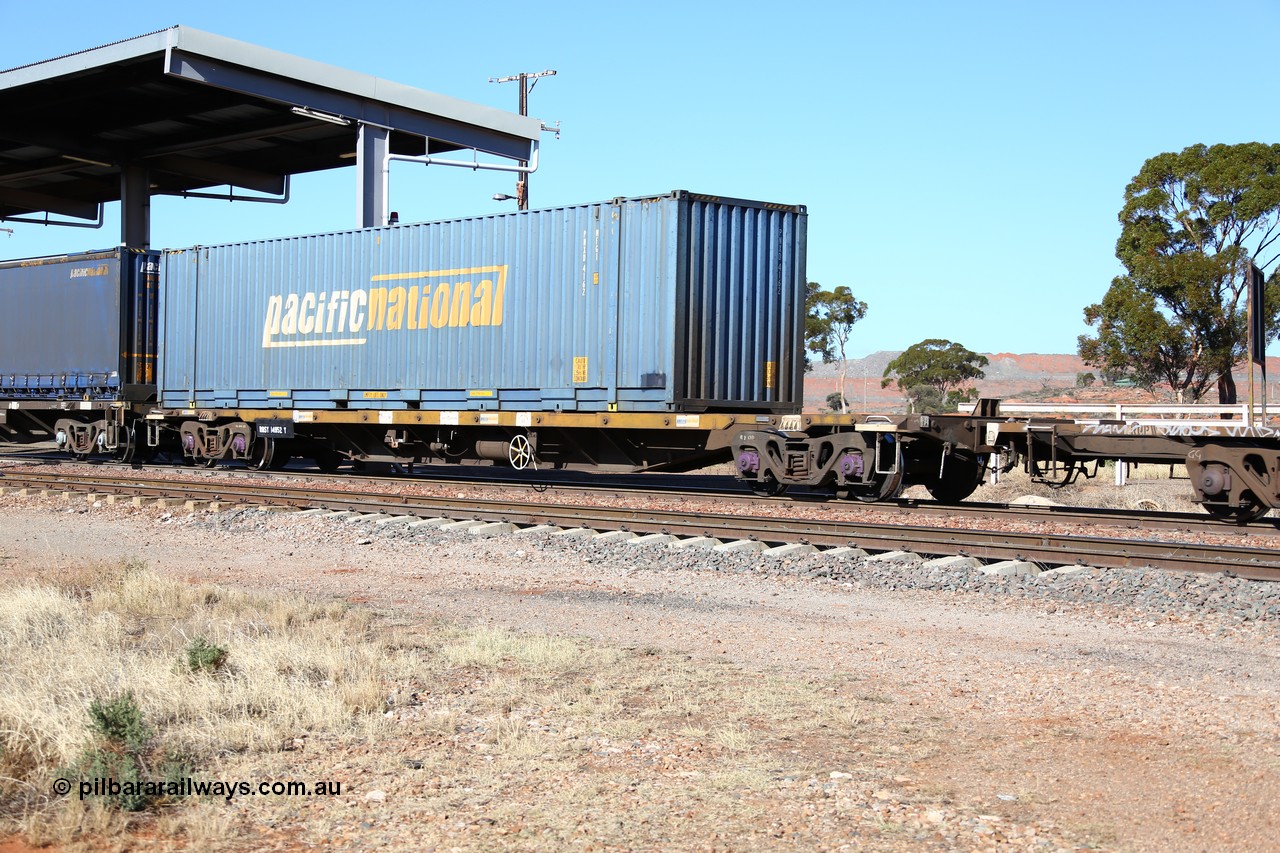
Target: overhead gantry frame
[180, 111]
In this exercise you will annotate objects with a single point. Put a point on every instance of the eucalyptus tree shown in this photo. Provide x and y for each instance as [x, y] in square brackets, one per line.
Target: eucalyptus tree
[829, 319]
[1192, 224]
[936, 374]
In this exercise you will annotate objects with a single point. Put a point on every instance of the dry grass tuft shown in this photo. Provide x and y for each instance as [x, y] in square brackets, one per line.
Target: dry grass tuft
[543, 736]
[294, 667]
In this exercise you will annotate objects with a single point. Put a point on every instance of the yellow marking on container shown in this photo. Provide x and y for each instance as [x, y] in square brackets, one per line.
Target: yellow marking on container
[375, 395]
[88, 272]
[393, 276]
[770, 373]
[595, 278]
[482, 392]
[579, 369]
[277, 393]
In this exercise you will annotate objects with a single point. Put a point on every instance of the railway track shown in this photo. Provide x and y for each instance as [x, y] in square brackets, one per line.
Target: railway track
[1244, 560]
[728, 488]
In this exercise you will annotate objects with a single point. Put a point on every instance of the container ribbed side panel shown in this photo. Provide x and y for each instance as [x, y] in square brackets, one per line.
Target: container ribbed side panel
[661, 303]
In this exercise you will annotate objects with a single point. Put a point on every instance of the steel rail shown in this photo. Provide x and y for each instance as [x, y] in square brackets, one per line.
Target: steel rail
[1046, 548]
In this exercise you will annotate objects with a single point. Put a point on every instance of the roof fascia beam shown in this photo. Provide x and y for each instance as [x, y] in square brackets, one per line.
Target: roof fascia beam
[39, 202]
[218, 173]
[293, 93]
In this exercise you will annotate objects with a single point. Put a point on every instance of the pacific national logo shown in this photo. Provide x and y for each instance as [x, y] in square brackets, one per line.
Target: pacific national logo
[435, 300]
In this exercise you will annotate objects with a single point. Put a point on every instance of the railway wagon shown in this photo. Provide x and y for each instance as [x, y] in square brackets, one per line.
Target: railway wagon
[78, 332]
[672, 303]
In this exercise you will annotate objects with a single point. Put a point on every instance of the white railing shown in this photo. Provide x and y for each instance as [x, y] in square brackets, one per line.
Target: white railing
[1187, 414]
[1207, 414]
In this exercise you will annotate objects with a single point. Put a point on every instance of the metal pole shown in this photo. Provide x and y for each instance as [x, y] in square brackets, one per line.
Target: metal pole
[1249, 354]
[527, 81]
[522, 181]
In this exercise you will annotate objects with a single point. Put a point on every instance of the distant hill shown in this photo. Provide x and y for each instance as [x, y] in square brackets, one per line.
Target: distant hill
[1026, 377]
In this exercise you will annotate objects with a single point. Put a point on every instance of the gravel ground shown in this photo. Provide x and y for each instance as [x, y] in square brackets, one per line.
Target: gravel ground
[1117, 709]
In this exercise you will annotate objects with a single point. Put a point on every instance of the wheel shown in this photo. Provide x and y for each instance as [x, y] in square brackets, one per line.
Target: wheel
[882, 487]
[127, 447]
[133, 450]
[280, 457]
[261, 453]
[961, 474]
[520, 452]
[768, 487]
[1251, 509]
[327, 460]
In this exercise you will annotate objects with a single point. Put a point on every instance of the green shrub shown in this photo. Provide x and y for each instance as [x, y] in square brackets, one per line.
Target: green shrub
[203, 657]
[119, 722]
[124, 765]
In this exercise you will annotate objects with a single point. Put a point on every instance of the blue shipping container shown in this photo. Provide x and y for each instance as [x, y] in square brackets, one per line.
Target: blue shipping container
[678, 302]
[79, 326]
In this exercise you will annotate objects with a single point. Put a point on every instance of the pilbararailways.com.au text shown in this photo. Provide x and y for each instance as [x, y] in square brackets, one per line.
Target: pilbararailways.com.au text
[188, 787]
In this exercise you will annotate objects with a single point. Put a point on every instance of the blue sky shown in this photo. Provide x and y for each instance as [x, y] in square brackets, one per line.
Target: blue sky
[963, 164]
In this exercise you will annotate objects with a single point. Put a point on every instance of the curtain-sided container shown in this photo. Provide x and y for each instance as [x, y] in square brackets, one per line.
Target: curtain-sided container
[79, 327]
[678, 302]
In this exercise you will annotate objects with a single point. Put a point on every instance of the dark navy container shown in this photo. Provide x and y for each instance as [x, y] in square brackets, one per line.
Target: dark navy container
[678, 302]
[79, 327]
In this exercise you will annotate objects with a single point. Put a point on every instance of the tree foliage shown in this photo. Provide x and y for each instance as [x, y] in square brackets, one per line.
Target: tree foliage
[1191, 224]
[934, 373]
[829, 319]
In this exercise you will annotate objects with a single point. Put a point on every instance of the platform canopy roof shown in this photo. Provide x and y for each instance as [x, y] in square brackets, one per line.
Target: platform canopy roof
[180, 110]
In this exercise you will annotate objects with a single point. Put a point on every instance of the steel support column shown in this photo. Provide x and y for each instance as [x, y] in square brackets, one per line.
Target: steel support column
[372, 147]
[135, 207]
